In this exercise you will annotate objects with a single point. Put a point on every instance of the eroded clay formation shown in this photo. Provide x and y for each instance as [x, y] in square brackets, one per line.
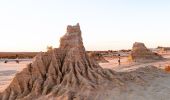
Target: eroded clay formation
[141, 53]
[67, 73]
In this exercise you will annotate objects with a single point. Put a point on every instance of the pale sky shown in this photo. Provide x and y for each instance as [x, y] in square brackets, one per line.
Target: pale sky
[31, 25]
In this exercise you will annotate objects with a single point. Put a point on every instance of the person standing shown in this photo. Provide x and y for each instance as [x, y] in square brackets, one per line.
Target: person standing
[119, 59]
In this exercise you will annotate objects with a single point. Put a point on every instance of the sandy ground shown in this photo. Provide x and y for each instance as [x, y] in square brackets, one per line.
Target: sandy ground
[129, 66]
[8, 71]
[158, 89]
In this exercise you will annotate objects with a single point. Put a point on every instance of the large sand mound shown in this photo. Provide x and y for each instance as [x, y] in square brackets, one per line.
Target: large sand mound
[67, 73]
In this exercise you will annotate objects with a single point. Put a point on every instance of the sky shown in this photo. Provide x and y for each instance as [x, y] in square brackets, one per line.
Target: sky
[32, 25]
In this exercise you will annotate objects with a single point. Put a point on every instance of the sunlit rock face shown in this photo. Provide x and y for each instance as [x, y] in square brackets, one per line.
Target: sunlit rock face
[72, 38]
[141, 53]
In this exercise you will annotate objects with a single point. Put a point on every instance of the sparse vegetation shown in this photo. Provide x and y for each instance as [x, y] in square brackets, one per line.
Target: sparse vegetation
[49, 48]
[167, 68]
[14, 55]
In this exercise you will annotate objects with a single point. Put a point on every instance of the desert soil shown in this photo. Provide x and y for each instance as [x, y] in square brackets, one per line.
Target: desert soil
[8, 71]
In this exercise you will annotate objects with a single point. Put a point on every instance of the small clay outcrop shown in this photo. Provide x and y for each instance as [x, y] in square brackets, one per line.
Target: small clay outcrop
[97, 57]
[141, 54]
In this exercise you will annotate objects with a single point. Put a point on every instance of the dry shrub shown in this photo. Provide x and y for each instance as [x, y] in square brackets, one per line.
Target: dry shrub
[130, 58]
[167, 68]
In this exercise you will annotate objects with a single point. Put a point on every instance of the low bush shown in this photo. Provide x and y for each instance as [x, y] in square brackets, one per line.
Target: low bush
[167, 68]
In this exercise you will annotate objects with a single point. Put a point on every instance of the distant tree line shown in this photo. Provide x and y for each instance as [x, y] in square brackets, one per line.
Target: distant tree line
[19, 55]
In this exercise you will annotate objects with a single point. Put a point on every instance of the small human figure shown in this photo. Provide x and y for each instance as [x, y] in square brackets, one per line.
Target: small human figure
[5, 61]
[119, 59]
[17, 61]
